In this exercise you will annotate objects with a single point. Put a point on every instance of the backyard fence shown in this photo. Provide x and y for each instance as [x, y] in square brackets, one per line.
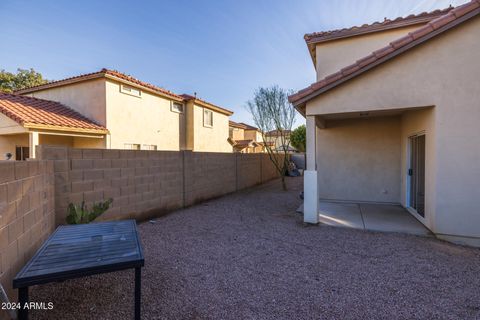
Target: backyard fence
[146, 184]
[27, 215]
[34, 195]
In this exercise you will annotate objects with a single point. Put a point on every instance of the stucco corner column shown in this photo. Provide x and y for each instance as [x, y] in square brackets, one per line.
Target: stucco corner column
[310, 178]
[32, 143]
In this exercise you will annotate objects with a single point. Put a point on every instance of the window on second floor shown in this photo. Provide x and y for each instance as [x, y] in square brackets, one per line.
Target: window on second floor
[130, 90]
[132, 146]
[149, 147]
[177, 107]
[207, 118]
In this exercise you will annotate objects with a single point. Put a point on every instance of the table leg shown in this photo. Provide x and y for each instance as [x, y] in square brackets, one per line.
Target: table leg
[23, 300]
[138, 292]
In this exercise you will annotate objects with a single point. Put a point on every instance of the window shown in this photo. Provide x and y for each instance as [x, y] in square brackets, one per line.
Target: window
[132, 146]
[130, 90]
[149, 147]
[177, 107]
[207, 118]
[22, 153]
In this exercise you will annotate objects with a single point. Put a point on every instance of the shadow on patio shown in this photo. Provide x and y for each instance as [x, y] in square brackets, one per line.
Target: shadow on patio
[372, 217]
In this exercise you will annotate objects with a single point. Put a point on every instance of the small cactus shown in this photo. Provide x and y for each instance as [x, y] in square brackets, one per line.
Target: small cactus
[79, 214]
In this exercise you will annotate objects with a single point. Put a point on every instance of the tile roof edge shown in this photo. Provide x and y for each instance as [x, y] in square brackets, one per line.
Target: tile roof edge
[312, 39]
[33, 125]
[206, 104]
[376, 26]
[396, 47]
[103, 73]
[20, 121]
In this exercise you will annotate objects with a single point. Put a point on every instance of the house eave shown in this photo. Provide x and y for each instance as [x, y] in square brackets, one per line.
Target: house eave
[301, 103]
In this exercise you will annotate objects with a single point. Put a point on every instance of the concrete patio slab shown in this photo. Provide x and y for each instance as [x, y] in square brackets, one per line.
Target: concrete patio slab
[341, 215]
[372, 217]
[391, 218]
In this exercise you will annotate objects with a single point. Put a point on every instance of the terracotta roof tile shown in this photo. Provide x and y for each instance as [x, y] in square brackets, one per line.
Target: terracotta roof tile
[120, 76]
[401, 41]
[102, 73]
[236, 124]
[383, 51]
[465, 8]
[389, 50]
[366, 60]
[376, 26]
[421, 32]
[333, 77]
[207, 104]
[387, 24]
[141, 83]
[28, 110]
[249, 127]
[350, 69]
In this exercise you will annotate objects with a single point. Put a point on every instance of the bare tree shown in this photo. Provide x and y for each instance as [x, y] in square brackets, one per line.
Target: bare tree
[272, 113]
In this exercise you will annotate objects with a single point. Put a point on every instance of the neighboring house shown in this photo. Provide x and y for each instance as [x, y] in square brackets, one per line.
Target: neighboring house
[26, 122]
[139, 115]
[401, 124]
[245, 138]
[280, 141]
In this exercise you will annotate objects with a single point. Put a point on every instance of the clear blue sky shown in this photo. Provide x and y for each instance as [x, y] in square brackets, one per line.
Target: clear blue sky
[221, 49]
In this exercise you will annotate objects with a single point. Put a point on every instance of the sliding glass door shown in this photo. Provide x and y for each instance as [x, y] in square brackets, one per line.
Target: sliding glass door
[417, 174]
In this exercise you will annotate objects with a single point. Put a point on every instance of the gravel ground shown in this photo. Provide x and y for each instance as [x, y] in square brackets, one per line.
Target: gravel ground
[249, 256]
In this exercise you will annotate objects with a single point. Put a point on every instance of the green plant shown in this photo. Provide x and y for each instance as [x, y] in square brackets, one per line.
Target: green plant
[79, 214]
[24, 78]
[298, 138]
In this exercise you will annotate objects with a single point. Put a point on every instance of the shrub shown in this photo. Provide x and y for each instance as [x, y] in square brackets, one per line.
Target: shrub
[80, 214]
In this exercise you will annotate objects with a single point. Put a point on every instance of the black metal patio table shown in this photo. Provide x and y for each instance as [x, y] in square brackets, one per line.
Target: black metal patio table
[81, 250]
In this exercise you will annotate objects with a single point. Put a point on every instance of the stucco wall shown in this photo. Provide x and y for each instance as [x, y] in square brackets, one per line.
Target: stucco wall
[145, 120]
[237, 134]
[9, 142]
[26, 215]
[250, 135]
[210, 139]
[56, 140]
[8, 126]
[336, 54]
[442, 73]
[87, 97]
[359, 160]
[95, 143]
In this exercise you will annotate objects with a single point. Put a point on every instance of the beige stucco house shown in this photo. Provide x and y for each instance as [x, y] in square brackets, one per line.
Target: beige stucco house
[394, 118]
[138, 115]
[280, 140]
[26, 122]
[245, 138]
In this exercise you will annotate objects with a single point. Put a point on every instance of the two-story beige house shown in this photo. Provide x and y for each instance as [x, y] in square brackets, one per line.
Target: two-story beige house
[394, 118]
[132, 114]
[245, 138]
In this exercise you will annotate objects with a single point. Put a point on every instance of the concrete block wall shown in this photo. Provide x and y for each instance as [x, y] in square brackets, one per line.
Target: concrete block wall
[141, 183]
[208, 175]
[27, 215]
[146, 184]
[249, 169]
